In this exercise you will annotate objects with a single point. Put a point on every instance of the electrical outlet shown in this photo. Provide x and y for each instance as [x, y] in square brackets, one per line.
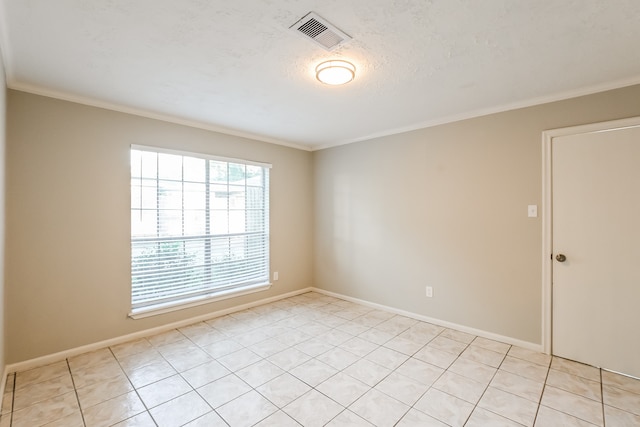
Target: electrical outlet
[429, 292]
[275, 276]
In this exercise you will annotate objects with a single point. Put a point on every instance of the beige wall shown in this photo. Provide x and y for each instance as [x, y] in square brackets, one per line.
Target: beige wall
[3, 115]
[377, 220]
[68, 255]
[447, 207]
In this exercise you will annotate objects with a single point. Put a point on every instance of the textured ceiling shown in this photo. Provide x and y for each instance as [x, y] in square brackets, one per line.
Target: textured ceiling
[235, 66]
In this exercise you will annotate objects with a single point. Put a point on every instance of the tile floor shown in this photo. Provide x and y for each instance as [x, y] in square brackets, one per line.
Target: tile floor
[314, 360]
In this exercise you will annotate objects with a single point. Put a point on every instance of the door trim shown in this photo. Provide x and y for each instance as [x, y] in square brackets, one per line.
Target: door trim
[547, 226]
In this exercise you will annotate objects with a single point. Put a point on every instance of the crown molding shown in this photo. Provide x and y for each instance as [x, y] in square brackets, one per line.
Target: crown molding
[562, 96]
[38, 90]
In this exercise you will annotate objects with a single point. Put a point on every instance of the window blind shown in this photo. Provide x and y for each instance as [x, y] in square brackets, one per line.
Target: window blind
[199, 226]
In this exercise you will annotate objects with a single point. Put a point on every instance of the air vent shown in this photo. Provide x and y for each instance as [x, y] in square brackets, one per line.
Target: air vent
[319, 30]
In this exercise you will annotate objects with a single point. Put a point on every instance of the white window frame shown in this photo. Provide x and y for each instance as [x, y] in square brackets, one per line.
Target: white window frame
[207, 292]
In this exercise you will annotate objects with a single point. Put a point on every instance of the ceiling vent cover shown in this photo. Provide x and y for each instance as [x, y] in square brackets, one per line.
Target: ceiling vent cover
[319, 30]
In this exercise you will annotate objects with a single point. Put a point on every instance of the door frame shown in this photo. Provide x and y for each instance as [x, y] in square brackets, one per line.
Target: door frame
[547, 226]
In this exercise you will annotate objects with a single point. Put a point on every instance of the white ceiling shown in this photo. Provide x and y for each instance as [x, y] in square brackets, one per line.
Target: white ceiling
[234, 66]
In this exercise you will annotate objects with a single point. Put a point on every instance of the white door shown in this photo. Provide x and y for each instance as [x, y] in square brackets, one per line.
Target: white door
[596, 227]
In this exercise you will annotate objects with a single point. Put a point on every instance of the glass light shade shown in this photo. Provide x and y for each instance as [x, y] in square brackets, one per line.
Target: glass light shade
[335, 72]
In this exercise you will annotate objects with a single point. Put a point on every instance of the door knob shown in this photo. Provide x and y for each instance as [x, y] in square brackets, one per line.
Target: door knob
[561, 258]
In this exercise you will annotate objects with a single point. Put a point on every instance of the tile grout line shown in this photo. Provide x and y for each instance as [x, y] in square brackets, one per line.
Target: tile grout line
[440, 376]
[244, 347]
[254, 389]
[75, 391]
[412, 406]
[345, 408]
[544, 386]
[231, 372]
[475, 406]
[134, 389]
[13, 398]
[434, 381]
[180, 374]
[392, 371]
[311, 387]
[195, 389]
[577, 394]
[604, 418]
[513, 394]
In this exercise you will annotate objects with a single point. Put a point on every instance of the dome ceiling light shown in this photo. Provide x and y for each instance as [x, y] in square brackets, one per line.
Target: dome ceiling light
[335, 72]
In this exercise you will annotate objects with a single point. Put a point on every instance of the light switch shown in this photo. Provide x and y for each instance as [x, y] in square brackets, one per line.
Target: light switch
[532, 211]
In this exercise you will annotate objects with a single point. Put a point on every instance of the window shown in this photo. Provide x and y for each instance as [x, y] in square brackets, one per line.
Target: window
[199, 227]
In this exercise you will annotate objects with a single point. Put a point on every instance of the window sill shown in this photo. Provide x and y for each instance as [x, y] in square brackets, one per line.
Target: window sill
[158, 309]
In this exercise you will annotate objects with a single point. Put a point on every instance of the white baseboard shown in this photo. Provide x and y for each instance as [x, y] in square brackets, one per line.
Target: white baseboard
[62, 355]
[5, 372]
[443, 323]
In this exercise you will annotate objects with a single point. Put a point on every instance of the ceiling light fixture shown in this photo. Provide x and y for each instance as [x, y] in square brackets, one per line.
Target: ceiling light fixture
[335, 72]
